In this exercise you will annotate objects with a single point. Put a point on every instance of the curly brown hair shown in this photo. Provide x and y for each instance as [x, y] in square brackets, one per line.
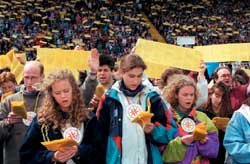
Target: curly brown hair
[175, 83]
[50, 113]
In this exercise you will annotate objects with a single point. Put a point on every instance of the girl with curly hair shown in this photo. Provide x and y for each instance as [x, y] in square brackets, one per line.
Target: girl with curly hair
[62, 115]
[197, 137]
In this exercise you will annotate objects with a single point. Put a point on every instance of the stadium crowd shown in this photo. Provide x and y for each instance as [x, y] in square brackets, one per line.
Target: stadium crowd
[117, 114]
[211, 22]
[112, 29]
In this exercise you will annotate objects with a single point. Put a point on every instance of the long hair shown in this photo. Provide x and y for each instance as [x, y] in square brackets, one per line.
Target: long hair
[225, 108]
[50, 113]
[175, 83]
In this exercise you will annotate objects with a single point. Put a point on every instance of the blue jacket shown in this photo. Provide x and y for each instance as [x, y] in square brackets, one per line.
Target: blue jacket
[110, 113]
[237, 136]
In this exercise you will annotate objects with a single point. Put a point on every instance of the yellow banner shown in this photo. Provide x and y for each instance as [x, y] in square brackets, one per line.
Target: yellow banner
[17, 67]
[10, 55]
[5, 60]
[225, 52]
[246, 70]
[54, 59]
[159, 56]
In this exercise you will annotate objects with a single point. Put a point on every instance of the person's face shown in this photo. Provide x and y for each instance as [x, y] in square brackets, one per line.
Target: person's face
[186, 96]
[224, 76]
[62, 92]
[216, 97]
[32, 76]
[133, 78]
[8, 86]
[104, 75]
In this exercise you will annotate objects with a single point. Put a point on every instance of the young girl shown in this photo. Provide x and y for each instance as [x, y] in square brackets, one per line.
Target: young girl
[219, 106]
[128, 141]
[185, 148]
[62, 113]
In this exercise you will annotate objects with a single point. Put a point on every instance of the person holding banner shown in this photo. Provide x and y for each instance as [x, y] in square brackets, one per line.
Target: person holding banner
[197, 137]
[13, 124]
[237, 94]
[62, 115]
[133, 118]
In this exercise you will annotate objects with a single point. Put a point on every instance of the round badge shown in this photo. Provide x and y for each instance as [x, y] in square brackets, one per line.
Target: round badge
[134, 110]
[188, 125]
[73, 133]
[30, 116]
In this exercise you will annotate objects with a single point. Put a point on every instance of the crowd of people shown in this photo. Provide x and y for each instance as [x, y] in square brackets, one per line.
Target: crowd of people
[180, 120]
[112, 29]
[211, 22]
[116, 114]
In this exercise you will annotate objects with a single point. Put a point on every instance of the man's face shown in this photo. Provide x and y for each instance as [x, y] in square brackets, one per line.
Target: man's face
[224, 76]
[31, 75]
[104, 75]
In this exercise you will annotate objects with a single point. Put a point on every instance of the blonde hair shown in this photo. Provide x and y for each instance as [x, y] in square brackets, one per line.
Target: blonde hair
[49, 113]
[176, 82]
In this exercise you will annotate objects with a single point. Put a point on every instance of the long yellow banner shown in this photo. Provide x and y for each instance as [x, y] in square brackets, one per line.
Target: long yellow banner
[225, 52]
[61, 59]
[159, 56]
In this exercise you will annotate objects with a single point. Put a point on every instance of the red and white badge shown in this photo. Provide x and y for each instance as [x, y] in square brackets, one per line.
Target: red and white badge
[73, 133]
[134, 110]
[188, 125]
[30, 116]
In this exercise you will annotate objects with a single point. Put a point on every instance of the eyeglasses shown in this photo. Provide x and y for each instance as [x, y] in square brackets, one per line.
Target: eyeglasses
[30, 78]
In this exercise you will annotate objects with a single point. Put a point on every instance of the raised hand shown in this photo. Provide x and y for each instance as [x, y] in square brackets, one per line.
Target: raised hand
[93, 61]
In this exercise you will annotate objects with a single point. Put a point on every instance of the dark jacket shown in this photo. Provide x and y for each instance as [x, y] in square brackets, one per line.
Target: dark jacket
[110, 118]
[33, 152]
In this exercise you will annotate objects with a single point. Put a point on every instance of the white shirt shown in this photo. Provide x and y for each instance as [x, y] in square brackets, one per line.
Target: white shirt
[134, 148]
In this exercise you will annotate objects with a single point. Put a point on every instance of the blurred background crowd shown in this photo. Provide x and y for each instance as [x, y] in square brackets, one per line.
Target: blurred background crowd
[113, 27]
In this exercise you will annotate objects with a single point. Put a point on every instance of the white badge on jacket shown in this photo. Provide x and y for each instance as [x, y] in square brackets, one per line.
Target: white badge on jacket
[134, 110]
